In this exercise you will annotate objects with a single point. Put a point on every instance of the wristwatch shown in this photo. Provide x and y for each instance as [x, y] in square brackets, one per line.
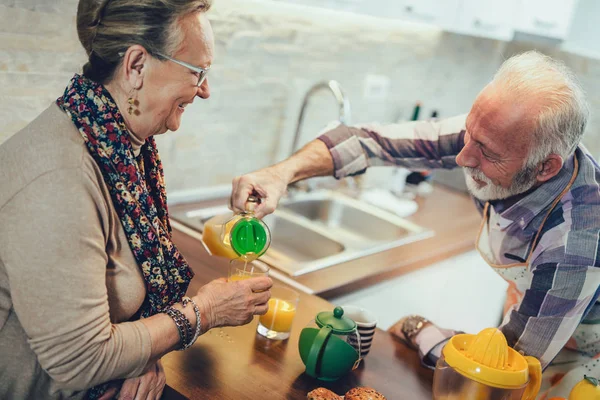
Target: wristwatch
[412, 326]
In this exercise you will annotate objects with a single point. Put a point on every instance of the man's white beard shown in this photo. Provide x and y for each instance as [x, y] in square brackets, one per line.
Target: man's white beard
[522, 182]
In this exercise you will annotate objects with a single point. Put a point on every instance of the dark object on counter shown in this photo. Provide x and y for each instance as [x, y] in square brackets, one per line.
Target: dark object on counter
[416, 111]
[416, 177]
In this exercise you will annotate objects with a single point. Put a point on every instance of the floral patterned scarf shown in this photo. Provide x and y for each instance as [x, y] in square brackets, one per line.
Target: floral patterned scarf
[137, 190]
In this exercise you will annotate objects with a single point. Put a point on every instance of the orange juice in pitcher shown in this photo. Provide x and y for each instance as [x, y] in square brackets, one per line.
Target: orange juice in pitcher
[215, 241]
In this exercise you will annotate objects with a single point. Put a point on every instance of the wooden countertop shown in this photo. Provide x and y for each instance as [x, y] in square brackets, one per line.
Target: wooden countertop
[238, 364]
[450, 214]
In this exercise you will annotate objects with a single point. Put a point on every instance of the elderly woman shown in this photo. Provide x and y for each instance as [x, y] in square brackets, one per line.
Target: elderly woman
[91, 285]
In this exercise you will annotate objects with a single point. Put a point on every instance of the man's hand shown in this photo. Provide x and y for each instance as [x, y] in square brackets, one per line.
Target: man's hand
[416, 325]
[396, 330]
[270, 184]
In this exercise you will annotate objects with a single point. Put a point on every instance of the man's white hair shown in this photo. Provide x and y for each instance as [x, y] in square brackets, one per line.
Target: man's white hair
[564, 110]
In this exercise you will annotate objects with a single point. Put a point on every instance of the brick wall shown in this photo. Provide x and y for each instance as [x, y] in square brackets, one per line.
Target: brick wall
[268, 54]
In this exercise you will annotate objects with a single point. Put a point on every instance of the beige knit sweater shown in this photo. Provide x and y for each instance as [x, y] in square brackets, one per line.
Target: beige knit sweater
[68, 278]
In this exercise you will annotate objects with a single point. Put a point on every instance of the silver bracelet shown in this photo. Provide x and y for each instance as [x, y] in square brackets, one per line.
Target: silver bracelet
[182, 323]
[185, 302]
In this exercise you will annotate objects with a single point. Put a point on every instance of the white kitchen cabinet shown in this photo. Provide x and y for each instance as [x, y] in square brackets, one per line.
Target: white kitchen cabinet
[493, 19]
[486, 18]
[354, 6]
[550, 18]
[584, 32]
[435, 12]
[439, 13]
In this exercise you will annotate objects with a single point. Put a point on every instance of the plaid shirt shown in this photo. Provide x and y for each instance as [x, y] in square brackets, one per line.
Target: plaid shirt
[559, 288]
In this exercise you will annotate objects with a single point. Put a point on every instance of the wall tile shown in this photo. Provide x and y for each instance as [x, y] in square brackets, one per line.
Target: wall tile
[268, 54]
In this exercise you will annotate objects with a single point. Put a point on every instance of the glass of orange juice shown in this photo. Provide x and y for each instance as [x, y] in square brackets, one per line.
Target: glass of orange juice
[240, 269]
[277, 322]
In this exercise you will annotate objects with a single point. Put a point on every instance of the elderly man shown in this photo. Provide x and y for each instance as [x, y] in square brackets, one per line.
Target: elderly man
[535, 185]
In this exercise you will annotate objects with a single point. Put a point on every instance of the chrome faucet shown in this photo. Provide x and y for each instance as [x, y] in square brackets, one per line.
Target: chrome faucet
[342, 100]
[343, 117]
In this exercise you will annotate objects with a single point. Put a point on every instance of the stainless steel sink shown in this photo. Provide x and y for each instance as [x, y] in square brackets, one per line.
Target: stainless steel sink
[294, 243]
[351, 221]
[315, 230]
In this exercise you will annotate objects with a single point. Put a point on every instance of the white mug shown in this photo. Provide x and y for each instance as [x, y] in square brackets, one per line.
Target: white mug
[366, 322]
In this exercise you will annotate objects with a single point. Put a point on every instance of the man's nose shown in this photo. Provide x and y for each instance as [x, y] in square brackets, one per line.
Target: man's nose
[468, 156]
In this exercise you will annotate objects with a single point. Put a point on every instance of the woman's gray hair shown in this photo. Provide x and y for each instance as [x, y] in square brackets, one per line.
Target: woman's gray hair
[109, 27]
[564, 111]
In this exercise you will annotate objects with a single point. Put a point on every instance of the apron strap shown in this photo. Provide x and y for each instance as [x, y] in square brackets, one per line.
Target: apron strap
[536, 239]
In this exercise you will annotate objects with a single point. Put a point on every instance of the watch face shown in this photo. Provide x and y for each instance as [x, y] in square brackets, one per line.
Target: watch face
[412, 325]
[409, 327]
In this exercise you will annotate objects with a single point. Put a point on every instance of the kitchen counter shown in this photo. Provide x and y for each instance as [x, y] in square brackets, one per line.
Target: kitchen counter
[237, 364]
[450, 214]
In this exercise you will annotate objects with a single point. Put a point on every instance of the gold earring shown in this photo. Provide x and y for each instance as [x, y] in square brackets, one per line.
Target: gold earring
[133, 103]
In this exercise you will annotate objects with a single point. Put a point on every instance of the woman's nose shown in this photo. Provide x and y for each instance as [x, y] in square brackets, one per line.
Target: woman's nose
[204, 90]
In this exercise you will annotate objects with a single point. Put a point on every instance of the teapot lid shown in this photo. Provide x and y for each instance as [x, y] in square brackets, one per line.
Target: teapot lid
[339, 324]
[486, 358]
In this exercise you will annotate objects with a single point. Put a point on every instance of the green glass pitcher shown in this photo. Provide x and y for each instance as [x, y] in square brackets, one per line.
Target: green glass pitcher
[241, 235]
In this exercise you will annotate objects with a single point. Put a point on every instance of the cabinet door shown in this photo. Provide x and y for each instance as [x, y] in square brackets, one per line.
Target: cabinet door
[356, 6]
[584, 31]
[550, 18]
[486, 18]
[435, 12]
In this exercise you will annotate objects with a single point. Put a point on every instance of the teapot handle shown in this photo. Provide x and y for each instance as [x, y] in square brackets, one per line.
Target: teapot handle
[316, 350]
[535, 378]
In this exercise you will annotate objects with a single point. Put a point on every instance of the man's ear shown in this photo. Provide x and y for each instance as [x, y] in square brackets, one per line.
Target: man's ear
[135, 63]
[549, 167]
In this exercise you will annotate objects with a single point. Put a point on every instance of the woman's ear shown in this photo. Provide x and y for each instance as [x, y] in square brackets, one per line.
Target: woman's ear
[135, 64]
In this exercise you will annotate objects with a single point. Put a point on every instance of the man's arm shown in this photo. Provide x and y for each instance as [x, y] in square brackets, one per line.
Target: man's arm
[314, 159]
[543, 322]
[346, 151]
[561, 294]
[413, 145]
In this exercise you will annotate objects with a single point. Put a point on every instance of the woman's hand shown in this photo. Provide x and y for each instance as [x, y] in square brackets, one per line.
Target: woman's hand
[148, 386]
[233, 303]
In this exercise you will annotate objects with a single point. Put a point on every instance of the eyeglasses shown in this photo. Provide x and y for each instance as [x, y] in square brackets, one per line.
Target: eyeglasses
[202, 72]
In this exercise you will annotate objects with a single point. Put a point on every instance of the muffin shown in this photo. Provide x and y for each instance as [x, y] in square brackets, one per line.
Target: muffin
[323, 394]
[363, 393]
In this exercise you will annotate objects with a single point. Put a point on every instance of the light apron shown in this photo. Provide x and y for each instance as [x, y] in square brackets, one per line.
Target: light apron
[570, 365]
